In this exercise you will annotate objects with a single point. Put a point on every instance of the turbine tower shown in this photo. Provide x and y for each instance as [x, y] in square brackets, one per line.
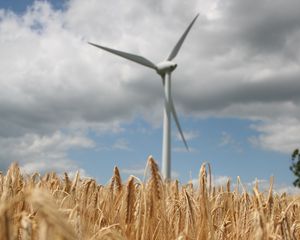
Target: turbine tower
[164, 69]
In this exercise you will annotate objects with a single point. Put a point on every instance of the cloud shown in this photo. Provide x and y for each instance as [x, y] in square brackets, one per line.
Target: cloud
[189, 135]
[283, 188]
[220, 180]
[278, 188]
[183, 149]
[39, 154]
[241, 60]
[136, 172]
[121, 144]
[263, 26]
[58, 79]
[263, 185]
[217, 180]
[282, 136]
[140, 172]
[227, 140]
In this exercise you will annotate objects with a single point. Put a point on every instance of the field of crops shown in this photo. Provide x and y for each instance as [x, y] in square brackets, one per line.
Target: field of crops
[53, 207]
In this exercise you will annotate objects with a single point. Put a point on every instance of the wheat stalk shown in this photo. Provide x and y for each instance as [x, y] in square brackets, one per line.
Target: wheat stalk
[52, 207]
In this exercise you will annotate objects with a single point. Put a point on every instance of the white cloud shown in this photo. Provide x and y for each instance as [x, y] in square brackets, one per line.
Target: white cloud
[81, 171]
[217, 180]
[43, 153]
[183, 149]
[227, 140]
[287, 189]
[189, 135]
[247, 66]
[140, 172]
[263, 185]
[121, 144]
[220, 180]
[278, 188]
[175, 174]
[281, 135]
[133, 171]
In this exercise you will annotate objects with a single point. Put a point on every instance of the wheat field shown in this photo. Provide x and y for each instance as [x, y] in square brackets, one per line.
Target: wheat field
[53, 207]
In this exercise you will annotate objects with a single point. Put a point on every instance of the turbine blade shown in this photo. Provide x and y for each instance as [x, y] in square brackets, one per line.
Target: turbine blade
[129, 56]
[172, 108]
[181, 40]
[177, 122]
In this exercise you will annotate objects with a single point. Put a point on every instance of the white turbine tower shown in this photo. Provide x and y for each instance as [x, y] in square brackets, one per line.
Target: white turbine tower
[164, 69]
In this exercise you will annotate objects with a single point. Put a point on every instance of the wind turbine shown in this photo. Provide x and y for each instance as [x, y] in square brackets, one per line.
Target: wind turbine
[164, 69]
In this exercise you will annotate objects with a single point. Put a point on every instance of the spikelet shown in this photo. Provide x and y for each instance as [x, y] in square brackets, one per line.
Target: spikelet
[85, 192]
[116, 182]
[270, 200]
[8, 189]
[67, 187]
[75, 182]
[202, 181]
[129, 200]
[259, 232]
[190, 215]
[26, 227]
[155, 178]
[34, 179]
[295, 229]
[48, 211]
[209, 179]
[228, 185]
[176, 190]
[149, 210]
[204, 204]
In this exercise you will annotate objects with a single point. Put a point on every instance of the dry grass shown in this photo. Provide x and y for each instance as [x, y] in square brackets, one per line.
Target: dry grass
[52, 207]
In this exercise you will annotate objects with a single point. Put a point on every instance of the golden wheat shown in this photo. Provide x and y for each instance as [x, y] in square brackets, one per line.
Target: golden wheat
[53, 207]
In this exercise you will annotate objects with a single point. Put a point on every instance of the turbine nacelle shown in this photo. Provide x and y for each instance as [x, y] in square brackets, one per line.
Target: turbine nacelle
[165, 67]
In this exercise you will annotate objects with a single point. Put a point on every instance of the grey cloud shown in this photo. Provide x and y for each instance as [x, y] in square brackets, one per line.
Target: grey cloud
[45, 152]
[264, 25]
[273, 89]
[242, 63]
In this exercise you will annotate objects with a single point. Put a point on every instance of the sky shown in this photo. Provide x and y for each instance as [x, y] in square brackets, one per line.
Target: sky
[67, 106]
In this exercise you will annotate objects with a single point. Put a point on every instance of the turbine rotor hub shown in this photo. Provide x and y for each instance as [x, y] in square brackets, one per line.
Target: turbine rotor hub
[166, 67]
